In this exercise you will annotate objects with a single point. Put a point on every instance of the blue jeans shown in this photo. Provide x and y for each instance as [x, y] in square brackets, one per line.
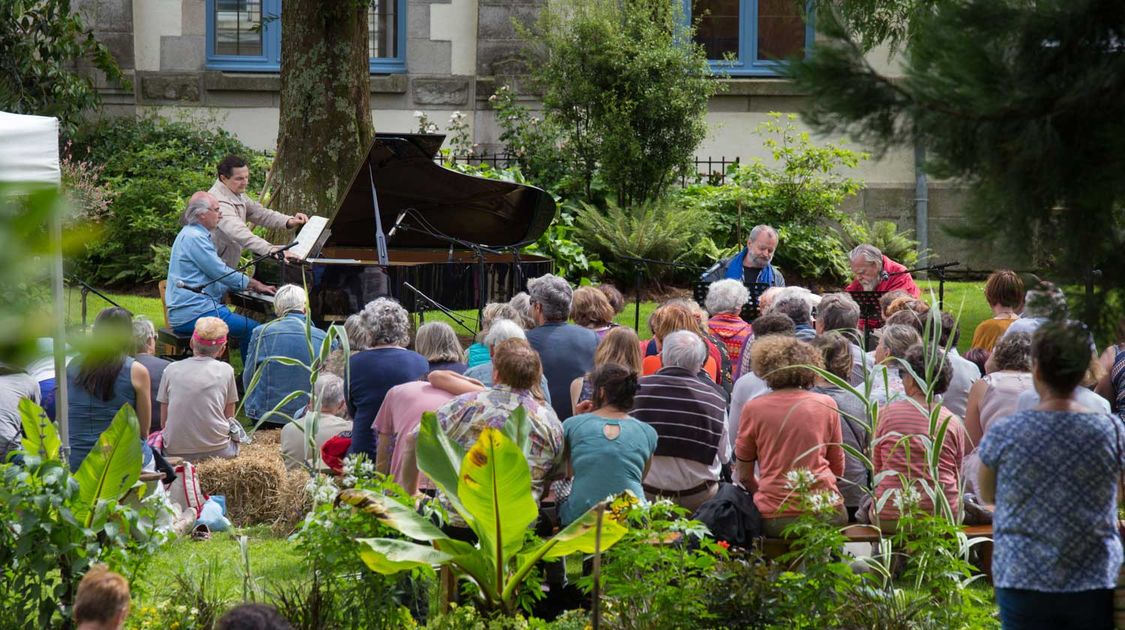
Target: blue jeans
[1033, 610]
[240, 327]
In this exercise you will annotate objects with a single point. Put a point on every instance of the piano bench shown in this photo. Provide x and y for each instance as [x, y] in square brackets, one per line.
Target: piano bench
[173, 346]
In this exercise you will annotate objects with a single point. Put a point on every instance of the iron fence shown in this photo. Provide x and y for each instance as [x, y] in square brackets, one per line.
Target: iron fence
[709, 170]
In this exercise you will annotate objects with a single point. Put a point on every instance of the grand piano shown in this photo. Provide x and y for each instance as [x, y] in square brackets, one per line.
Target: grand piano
[455, 238]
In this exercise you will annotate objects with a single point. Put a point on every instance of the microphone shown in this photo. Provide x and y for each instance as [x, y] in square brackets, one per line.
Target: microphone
[280, 252]
[451, 252]
[398, 220]
[180, 284]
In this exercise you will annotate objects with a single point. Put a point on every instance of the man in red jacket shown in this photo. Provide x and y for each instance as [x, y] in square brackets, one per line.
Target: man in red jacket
[875, 272]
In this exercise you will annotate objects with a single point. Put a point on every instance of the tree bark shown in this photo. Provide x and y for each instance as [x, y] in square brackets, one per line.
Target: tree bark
[325, 121]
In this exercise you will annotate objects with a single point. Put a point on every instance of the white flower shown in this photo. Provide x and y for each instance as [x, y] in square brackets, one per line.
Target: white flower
[799, 478]
[418, 114]
[321, 489]
[907, 498]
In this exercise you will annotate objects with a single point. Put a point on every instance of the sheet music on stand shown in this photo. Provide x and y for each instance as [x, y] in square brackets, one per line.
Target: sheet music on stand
[870, 312]
[750, 310]
[311, 237]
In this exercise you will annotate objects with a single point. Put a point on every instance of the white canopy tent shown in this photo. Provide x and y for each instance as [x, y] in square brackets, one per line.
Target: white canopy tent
[29, 154]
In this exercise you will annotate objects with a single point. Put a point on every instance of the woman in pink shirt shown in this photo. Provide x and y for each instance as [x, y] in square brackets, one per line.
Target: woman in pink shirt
[787, 429]
[899, 449]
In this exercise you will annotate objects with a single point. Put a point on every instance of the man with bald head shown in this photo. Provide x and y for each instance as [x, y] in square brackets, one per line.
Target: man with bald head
[753, 264]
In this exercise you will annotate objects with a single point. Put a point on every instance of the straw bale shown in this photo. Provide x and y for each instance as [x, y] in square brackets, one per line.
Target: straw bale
[257, 486]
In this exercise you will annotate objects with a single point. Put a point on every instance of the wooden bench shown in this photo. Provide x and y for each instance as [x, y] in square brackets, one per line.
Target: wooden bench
[170, 344]
[776, 547]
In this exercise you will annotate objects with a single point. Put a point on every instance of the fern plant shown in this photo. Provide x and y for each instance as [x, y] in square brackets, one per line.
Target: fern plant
[897, 245]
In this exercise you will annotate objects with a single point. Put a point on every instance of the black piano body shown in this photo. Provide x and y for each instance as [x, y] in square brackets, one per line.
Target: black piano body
[432, 218]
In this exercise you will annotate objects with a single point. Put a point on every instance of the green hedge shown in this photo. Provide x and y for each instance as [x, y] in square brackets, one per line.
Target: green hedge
[150, 166]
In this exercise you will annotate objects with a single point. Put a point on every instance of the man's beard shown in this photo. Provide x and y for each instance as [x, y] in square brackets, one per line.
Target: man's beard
[759, 262]
[868, 285]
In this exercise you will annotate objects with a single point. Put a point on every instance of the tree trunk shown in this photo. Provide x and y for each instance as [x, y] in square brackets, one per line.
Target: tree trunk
[325, 121]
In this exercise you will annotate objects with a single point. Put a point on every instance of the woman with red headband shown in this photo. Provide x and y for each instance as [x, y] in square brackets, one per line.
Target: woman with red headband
[198, 396]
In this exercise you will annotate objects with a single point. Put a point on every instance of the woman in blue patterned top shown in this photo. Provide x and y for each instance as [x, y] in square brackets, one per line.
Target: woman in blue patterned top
[1052, 472]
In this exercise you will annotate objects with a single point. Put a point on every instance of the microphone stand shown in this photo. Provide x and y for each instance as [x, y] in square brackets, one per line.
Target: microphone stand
[86, 291]
[940, 271]
[448, 313]
[637, 262]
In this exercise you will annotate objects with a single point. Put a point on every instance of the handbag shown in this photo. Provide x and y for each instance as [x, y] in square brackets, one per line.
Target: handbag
[185, 491]
[731, 515]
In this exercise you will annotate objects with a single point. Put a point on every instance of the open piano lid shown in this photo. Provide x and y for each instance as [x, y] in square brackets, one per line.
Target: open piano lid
[483, 211]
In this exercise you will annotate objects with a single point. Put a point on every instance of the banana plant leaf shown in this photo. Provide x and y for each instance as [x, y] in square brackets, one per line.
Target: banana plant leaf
[438, 456]
[389, 555]
[40, 436]
[393, 514]
[111, 467]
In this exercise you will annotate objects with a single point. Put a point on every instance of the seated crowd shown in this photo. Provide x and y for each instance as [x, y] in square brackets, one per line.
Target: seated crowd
[708, 398]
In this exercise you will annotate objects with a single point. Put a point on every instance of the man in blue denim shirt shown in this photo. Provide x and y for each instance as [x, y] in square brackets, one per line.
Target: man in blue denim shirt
[195, 262]
[289, 336]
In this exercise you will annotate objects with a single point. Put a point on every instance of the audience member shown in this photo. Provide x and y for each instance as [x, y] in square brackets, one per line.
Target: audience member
[1004, 293]
[1043, 303]
[716, 349]
[288, 336]
[144, 349]
[765, 324]
[385, 363]
[1053, 473]
[501, 330]
[725, 300]
[855, 483]
[566, 350]
[965, 373]
[787, 429]
[997, 394]
[517, 369]
[198, 397]
[899, 454]
[103, 379]
[522, 303]
[839, 313]
[886, 377]
[908, 317]
[478, 351]
[619, 347]
[102, 600]
[688, 413]
[439, 344]
[302, 439]
[589, 308]
[889, 298]
[979, 357]
[15, 385]
[398, 419]
[616, 300]
[607, 450]
[356, 334]
[798, 310]
[907, 303]
[750, 385]
[766, 299]
[667, 319]
[1084, 393]
[252, 617]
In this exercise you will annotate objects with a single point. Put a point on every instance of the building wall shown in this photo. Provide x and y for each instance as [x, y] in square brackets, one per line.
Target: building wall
[458, 52]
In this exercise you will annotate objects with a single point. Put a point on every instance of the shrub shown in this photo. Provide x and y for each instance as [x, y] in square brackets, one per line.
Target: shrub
[150, 166]
[659, 230]
[898, 246]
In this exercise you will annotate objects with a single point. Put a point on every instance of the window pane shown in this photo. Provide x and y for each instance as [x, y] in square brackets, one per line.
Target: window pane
[781, 29]
[381, 23]
[238, 27]
[717, 28]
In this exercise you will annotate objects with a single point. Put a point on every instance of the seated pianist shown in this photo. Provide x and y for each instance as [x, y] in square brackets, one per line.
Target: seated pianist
[194, 263]
[752, 264]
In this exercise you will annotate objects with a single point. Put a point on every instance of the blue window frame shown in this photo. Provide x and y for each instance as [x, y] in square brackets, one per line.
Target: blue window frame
[750, 37]
[245, 35]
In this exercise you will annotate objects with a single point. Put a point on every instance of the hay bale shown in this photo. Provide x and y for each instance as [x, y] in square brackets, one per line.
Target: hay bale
[257, 486]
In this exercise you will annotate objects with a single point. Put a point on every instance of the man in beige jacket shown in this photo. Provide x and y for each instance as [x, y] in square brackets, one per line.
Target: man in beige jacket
[232, 234]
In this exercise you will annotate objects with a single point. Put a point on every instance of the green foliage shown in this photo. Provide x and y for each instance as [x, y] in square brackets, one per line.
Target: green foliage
[151, 166]
[898, 246]
[42, 40]
[490, 488]
[626, 86]
[537, 145]
[469, 618]
[661, 230]
[658, 575]
[54, 526]
[799, 192]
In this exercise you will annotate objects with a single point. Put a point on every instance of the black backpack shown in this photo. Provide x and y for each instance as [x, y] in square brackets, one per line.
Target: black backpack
[731, 516]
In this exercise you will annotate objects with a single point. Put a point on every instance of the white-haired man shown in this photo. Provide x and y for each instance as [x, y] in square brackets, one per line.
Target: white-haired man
[288, 336]
[752, 264]
[875, 272]
[299, 438]
[689, 414]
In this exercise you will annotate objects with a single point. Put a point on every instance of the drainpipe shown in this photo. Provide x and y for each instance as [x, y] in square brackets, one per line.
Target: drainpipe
[921, 203]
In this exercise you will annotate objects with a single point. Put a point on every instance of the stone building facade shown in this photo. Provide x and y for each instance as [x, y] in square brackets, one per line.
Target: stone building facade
[451, 56]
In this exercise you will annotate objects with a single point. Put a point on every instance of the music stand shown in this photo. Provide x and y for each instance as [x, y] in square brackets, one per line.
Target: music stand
[750, 310]
[870, 312]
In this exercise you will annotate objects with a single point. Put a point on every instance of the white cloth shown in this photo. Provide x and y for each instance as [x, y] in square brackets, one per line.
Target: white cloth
[1029, 399]
[29, 149]
[965, 373]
